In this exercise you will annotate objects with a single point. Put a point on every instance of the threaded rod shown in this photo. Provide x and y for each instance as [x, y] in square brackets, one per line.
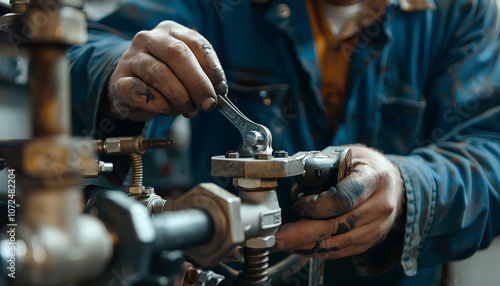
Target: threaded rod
[256, 265]
[156, 143]
[137, 170]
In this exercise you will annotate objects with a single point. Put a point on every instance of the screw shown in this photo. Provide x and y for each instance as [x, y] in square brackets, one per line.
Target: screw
[281, 154]
[105, 167]
[254, 138]
[232, 154]
[262, 156]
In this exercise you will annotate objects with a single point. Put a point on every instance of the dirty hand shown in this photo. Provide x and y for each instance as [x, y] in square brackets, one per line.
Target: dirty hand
[350, 218]
[169, 70]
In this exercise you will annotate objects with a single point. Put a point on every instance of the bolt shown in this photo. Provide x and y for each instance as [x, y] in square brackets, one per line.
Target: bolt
[254, 138]
[262, 156]
[281, 154]
[105, 167]
[232, 154]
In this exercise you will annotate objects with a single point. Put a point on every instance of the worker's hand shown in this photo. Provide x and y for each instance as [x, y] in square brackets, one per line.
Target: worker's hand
[350, 218]
[169, 70]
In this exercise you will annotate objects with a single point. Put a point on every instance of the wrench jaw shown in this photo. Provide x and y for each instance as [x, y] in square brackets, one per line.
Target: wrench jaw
[256, 141]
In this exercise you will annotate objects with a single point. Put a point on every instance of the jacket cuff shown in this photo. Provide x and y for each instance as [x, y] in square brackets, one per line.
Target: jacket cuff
[420, 188]
[91, 68]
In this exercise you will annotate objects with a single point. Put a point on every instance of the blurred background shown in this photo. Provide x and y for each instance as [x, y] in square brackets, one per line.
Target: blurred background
[480, 269]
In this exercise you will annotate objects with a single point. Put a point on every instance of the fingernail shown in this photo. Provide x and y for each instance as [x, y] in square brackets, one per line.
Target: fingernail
[278, 246]
[208, 104]
[192, 113]
[221, 87]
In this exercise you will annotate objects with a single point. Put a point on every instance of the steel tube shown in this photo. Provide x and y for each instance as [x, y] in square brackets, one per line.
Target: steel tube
[182, 228]
[49, 87]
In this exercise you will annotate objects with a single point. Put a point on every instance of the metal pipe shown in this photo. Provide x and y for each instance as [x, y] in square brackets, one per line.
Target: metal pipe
[49, 87]
[182, 228]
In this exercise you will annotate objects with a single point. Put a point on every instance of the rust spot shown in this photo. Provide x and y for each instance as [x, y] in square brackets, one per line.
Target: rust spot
[453, 90]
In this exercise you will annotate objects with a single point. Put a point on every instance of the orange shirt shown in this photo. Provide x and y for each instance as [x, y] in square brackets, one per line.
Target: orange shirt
[334, 52]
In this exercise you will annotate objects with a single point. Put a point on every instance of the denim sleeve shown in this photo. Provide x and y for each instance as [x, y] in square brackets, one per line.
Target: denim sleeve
[453, 194]
[452, 180]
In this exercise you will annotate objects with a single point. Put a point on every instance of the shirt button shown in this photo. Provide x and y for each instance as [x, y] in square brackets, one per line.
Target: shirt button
[283, 11]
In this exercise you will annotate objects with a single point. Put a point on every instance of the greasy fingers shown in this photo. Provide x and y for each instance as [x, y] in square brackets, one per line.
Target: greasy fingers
[136, 100]
[158, 75]
[205, 54]
[343, 198]
[303, 232]
[350, 218]
[178, 63]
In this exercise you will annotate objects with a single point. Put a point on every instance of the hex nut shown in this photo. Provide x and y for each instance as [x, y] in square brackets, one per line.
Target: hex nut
[262, 156]
[254, 183]
[261, 242]
[224, 210]
[232, 154]
[258, 169]
[135, 191]
[209, 278]
[40, 156]
[133, 227]
[281, 154]
[69, 25]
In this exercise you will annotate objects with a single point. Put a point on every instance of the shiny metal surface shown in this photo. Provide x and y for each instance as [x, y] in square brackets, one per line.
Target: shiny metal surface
[256, 137]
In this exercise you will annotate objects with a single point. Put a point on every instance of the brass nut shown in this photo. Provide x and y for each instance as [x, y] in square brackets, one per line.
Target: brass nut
[280, 154]
[123, 145]
[67, 26]
[232, 154]
[135, 191]
[57, 157]
[262, 156]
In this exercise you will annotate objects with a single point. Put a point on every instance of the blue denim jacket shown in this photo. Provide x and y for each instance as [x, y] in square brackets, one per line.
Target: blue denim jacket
[423, 88]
